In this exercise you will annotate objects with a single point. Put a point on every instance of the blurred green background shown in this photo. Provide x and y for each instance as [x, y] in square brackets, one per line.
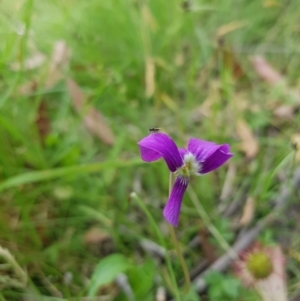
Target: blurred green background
[81, 82]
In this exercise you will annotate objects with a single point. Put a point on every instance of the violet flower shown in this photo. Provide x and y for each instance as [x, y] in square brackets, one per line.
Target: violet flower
[199, 158]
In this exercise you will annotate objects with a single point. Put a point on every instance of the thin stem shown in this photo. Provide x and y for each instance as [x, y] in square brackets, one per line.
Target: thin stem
[176, 244]
[181, 259]
[161, 241]
[171, 183]
[10, 259]
[2, 298]
[208, 223]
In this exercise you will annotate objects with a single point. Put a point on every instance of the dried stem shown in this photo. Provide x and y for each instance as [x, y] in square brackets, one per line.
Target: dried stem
[17, 269]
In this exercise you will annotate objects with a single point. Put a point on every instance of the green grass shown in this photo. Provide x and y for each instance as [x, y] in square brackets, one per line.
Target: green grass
[53, 190]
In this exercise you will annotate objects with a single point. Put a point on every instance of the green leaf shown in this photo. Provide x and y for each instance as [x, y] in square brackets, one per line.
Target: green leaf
[142, 278]
[106, 271]
[231, 287]
[191, 295]
[44, 175]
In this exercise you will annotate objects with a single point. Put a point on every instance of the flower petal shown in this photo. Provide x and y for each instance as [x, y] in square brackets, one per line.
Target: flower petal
[182, 152]
[158, 145]
[217, 159]
[209, 154]
[202, 149]
[172, 208]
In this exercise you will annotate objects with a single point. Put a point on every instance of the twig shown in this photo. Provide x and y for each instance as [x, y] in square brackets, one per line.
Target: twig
[49, 285]
[153, 248]
[123, 283]
[160, 294]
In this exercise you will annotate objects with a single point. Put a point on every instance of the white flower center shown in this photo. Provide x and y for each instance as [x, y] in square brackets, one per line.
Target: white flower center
[190, 167]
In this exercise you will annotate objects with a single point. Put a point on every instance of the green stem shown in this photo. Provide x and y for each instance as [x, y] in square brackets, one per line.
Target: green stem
[176, 244]
[181, 259]
[28, 8]
[2, 298]
[161, 241]
[210, 226]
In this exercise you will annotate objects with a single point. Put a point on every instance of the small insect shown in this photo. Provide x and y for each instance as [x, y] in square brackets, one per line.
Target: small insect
[154, 130]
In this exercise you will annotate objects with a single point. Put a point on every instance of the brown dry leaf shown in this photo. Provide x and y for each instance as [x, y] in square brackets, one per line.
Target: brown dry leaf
[249, 143]
[28, 87]
[98, 241]
[284, 111]
[149, 76]
[60, 57]
[93, 120]
[179, 59]
[248, 212]
[266, 71]
[274, 78]
[227, 28]
[242, 103]
[271, 3]
[205, 109]
[169, 102]
[227, 189]
[42, 120]
[232, 63]
[206, 245]
[95, 235]
[295, 139]
[226, 55]
[35, 61]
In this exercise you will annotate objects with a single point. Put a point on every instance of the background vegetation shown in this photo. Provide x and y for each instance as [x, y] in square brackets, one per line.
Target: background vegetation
[82, 82]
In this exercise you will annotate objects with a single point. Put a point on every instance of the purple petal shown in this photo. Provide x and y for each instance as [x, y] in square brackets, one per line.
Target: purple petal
[182, 152]
[210, 154]
[172, 209]
[158, 145]
[218, 158]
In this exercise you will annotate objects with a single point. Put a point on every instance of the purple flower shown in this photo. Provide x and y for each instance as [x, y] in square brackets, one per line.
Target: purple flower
[199, 158]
